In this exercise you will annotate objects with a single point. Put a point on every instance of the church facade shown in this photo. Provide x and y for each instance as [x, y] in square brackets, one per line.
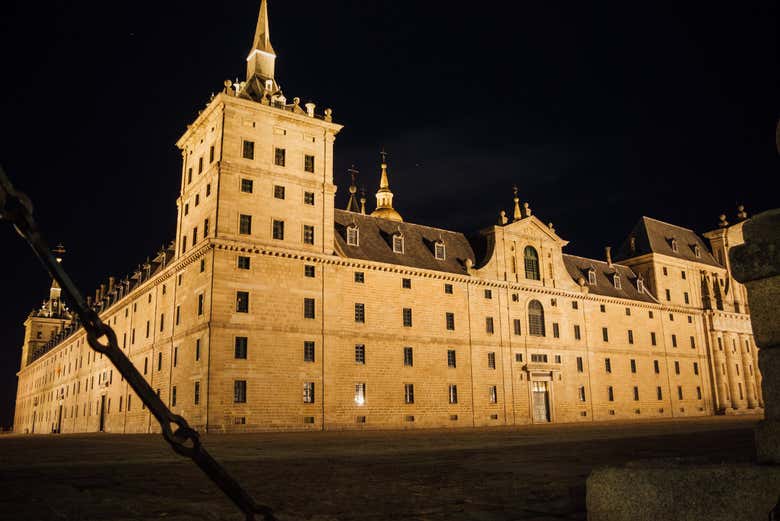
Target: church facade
[274, 310]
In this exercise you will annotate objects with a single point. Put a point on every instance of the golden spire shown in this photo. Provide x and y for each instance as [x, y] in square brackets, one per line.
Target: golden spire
[262, 56]
[384, 197]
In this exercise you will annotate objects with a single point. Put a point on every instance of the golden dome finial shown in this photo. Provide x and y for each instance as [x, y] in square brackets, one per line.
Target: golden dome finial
[384, 197]
[516, 214]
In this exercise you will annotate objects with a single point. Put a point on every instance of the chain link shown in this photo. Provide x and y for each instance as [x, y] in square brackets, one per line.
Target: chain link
[17, 209]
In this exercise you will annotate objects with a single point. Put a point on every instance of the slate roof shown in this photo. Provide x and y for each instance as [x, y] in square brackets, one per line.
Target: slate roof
[654, 236]
[376, 243]
[579, 266]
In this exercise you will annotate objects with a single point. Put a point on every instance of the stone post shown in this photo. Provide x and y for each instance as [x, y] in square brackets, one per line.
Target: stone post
[756, 264]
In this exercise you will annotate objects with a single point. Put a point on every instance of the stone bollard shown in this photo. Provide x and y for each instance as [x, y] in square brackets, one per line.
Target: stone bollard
[756, 264]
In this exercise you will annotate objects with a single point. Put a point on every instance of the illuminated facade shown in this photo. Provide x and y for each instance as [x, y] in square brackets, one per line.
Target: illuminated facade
[272, 309]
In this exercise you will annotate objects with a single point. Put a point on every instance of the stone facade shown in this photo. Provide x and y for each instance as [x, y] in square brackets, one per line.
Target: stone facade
[272, 309]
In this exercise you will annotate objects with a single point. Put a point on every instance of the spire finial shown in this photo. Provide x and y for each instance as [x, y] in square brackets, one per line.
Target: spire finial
[261, 57]
[516, 215]
[352, 205]
[741, 213]
[363, 201]
[384, 197]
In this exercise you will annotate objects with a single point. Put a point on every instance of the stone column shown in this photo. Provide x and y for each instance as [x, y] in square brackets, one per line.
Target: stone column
[754, 352]
[757, 265]
[718, 360]
[731, 370]
[750, 374]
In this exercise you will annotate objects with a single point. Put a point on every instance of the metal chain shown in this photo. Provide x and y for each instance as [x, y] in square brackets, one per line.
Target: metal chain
[16, 208]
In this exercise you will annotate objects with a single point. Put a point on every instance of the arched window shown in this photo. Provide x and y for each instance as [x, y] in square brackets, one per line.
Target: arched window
[535, 318]
[616, 281]
[531, 263]
[592, 277]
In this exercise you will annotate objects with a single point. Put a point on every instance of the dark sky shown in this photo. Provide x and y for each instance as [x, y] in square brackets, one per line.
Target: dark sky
[599, 113]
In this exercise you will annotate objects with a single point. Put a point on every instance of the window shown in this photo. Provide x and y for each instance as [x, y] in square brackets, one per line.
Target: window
[605, 334]
[450, 320]
[659, 394]
[553, 302]
[451, 361]
[353, 236]
[184, 244]
[205, 228]
[518, 357]
[539, 358]
[616, 281]
[488, 293]
[406, 283]
[686, 298]
[408, 393]
[633, 365]
[241, 347]
[696, 250]
[580, 367]
[173, 396]
[308, 198]
[175, 355]
[665, 271]
[674, 340]
[248, 149]
[676, 367]
[189, 175]
[630, 337]
[531, 259]
[308, 270]
[516, 324]
[159, 361]
[196, 394]
[197, 349]
[439, 250]
[360, 354]
[308, 234]
[668, 295]
[679, 392]
[200, 304]
[492, 394]
[407, 314]
[693, 343]
[453, 393]
[239, 391]
[398, 243]
[279, 156]
[652, 338]
[577, 333]
[243, 262]
[696, 368]
[656, 367]
[360, 277]
[556, 330]
[592, 277]
[360, 393]
[308, 351]
[202, 265]
[211, 154]
[308, 308]
[242, 302]
[628, 312]
[308, 163]
[574, 304]
[489, 325]
[208, 189]
[636, 393]
[675, 248]
[197, 202]
[610, 394]
[640, 285]
[408, 357]
[608, 365]
[448, 289]
[581, 393]
[308, 392]
[278, 230]
[650, 314]
[535, 318]
[698, 392]
[247, 185]
[278, 192]
[245, 224]
[491, 360]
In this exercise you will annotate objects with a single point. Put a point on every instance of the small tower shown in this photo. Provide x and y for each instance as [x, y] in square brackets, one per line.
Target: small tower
[262, 58]
[384, 197]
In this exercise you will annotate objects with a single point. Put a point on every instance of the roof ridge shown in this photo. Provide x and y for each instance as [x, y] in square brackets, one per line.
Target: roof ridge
[669, 224]
[402, 222]
[597, 260]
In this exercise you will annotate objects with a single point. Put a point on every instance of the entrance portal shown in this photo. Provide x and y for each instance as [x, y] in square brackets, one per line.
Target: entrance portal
[541, 402]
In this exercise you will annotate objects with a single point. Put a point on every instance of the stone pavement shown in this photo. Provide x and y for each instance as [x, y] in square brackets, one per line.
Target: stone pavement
[528, 473]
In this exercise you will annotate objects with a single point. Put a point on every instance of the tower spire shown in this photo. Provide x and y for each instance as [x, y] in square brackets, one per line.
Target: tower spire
[262, 56]
[352, 204]
[384, 197]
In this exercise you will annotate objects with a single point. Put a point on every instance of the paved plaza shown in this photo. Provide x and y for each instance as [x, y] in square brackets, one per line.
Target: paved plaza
[522, 473]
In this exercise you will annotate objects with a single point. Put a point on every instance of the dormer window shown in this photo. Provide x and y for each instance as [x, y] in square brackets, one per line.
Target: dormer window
[640, 285]
[440, 251]
[353, 236]
[616, 281]
[697, 250]
[675, 249]
[398, 243]
[592, 277]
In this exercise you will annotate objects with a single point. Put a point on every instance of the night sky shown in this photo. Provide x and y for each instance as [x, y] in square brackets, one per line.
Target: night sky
[599, 113]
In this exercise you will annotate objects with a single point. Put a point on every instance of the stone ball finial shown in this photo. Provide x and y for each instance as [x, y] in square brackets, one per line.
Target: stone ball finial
[469, 264]
[502, 219]
[741, 213]
[551, 227]
[723, 222]
[328, 114]
[581, 281]
[527, 209]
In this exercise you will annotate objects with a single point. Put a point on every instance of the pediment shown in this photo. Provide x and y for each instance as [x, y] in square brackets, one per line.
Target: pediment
[533, 228]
